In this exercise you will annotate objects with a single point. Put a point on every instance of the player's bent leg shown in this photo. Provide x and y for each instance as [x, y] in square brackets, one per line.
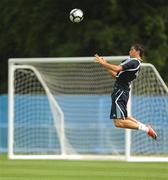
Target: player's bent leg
[125, 123]
[147, 128]
[141, 126]
[133, 119]
[132, 124]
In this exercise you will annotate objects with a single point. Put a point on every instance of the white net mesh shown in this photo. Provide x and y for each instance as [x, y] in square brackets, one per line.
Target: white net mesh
[150, 105]
[83, 93]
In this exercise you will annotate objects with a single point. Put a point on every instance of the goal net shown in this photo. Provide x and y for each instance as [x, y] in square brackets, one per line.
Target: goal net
[59, 109]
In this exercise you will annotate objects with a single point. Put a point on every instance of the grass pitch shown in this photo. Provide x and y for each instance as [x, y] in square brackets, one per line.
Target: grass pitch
[80, 170]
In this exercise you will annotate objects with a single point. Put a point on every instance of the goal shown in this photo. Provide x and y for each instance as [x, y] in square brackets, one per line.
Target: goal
[59, 109]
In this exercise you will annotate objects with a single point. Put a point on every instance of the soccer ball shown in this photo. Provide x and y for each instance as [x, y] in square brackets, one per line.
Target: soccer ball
[76, 15]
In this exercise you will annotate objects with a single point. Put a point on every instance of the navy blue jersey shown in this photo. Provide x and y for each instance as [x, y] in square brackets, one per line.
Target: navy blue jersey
[131, 67]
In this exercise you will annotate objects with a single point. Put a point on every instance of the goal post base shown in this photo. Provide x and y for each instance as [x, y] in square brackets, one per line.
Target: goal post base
[147, 159]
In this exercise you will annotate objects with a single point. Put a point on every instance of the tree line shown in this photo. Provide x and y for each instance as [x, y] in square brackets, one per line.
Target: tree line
[42, 29]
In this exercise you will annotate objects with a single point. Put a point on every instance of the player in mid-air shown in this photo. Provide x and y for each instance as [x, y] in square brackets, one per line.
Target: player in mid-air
[125, 73]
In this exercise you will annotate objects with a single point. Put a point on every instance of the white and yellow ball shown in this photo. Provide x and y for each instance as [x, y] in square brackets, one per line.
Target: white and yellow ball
[76, 15]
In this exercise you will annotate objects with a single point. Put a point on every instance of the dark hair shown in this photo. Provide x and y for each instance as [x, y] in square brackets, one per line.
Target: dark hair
[140, 48]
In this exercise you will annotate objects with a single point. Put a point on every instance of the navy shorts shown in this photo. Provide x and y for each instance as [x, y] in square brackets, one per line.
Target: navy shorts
[119, 104]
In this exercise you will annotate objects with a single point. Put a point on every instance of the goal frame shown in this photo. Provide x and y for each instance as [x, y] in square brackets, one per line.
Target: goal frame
[17, 63]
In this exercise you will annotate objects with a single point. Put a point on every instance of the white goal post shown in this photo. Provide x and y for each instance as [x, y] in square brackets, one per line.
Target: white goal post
[59, 109]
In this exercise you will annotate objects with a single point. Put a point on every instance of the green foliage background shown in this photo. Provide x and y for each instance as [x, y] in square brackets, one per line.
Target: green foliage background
[41, 28]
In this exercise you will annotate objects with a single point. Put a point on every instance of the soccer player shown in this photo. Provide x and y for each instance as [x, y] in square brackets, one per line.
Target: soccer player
[125, 73]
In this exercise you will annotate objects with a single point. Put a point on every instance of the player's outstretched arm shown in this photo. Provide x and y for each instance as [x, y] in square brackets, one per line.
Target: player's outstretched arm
[108, 66]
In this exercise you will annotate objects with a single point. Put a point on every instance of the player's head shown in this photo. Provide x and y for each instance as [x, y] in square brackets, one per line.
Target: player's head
[136, 50]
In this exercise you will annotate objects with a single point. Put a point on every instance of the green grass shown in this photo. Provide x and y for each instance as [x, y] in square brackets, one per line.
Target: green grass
[80, 170]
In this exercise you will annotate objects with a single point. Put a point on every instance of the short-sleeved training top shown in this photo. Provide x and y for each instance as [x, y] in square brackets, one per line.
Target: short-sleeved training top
[131, 67]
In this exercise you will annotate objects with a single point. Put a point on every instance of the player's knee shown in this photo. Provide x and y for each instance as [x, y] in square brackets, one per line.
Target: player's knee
[118, 123]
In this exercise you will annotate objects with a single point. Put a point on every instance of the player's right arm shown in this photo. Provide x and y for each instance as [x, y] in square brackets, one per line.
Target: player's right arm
[111, 68]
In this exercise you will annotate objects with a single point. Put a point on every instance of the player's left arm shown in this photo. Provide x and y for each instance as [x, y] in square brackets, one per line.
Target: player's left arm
[108, 66]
